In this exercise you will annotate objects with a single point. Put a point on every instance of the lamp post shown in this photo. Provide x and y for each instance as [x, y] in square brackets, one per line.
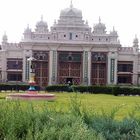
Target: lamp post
[31, 89]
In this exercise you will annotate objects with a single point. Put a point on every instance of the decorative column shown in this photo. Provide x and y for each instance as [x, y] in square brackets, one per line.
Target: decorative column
[135, 71]
[85, 68]
[26, 69]
[112, 69]
[53, 67]
[4, 67]
[89, 68]
[27, 54]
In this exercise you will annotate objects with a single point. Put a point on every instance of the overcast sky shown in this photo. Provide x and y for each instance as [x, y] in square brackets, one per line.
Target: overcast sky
[122, 14]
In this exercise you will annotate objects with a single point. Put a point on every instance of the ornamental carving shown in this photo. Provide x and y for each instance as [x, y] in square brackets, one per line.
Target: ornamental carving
[70, 57]
[40, 55]
[99, 57]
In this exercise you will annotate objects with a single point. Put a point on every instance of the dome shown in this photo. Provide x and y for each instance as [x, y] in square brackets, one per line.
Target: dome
[100, 25]
[41, 26]
[41, 23]
[99, 28]
[71, 12]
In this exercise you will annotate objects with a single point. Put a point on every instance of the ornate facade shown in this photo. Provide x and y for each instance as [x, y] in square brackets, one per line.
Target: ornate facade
[70, 51]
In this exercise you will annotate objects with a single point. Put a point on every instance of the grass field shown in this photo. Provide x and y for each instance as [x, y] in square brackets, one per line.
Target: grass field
[90, 102]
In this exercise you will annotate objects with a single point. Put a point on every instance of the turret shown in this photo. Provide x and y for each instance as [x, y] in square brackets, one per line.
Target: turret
[99, 28]
[27, 33]
[4, 38]
[114, 35]
[41, 26]
[135, 44]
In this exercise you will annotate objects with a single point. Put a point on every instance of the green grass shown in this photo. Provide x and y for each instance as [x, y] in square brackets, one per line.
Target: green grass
[91, 102]
[71, 117]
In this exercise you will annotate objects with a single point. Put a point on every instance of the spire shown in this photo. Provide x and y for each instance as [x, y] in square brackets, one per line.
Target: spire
[99, 19]
[41, 17]
[54, 21]
[27, 30]
[4, 38]
[71, 4]
[87, 22]
[27, 26]
[136, 41]
[113, 28]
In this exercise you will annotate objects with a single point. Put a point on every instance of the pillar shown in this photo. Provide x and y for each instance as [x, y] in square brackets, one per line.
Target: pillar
[85, 68]
[53, 67]
[112, 69]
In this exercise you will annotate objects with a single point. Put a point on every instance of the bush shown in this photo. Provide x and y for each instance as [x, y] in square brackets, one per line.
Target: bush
[17, 87]
[113, 90]
[57, 88]
[21, 123]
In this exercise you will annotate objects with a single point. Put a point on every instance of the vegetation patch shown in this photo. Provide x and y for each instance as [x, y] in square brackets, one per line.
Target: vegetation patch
[22, 120]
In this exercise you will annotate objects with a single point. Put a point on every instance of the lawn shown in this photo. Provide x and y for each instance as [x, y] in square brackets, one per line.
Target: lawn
[91, 102]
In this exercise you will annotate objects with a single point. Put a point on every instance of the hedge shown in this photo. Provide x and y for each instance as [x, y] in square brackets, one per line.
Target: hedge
[114, 90]
[17, 87]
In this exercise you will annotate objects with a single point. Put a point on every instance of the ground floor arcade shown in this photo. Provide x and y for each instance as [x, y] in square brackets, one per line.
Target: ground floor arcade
[75, 67]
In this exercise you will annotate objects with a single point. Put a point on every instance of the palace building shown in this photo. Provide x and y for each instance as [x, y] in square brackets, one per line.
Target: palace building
[70, 51]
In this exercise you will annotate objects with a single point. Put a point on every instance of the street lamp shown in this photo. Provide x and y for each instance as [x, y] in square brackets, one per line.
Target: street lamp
[31, 75]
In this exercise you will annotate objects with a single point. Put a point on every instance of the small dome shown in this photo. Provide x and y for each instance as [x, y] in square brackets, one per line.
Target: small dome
[41, 23]
[41, 26]
[99, 28]
[100, 25]
[71, 12]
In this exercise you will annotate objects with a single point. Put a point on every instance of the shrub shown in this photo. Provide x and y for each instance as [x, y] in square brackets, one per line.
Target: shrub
[20, 123]
[57, 88]
[81, 89]
[11, 87]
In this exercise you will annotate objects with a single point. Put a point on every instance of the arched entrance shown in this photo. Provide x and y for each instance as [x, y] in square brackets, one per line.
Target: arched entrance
[69, 68]
[99, 68]
[41, 65]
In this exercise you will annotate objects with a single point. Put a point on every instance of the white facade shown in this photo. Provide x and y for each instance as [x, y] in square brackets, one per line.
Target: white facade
[102, 59]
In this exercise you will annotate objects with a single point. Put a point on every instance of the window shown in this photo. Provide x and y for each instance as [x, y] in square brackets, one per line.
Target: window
[125, 79]
[70, 36]
[125, 67]
[14, 77]
[14, 64]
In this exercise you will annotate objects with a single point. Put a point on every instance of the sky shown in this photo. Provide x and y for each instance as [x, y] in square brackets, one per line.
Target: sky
[15, 15]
